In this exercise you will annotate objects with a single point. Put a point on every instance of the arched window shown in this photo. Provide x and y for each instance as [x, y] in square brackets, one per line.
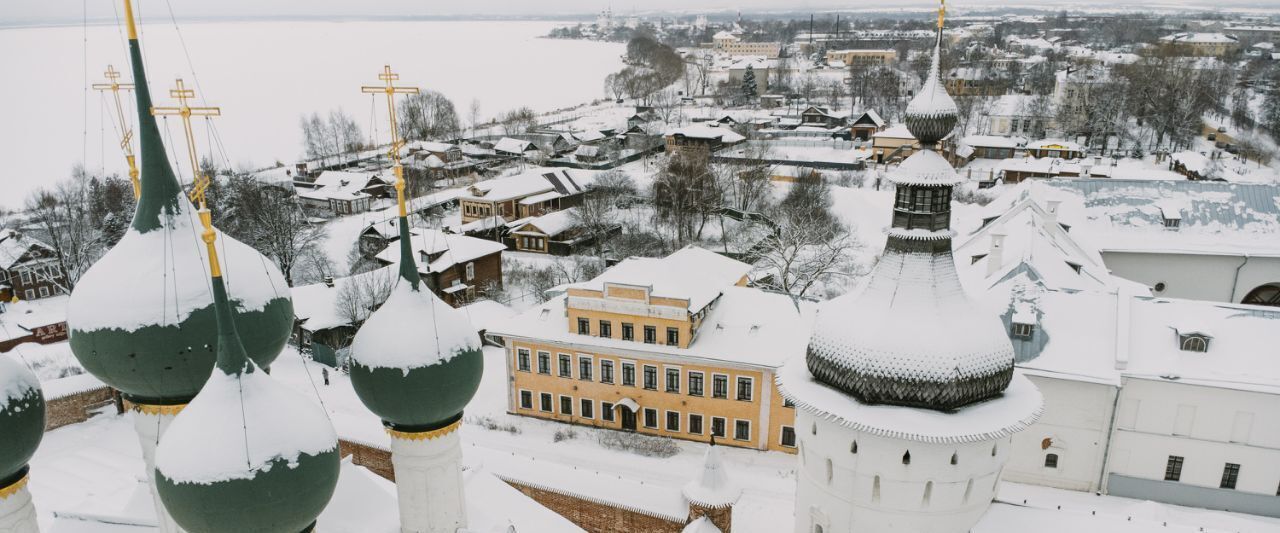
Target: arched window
[830, 472]
[955, 458]
[928, 494]
[1194, 343]
[906, 457]
[815, 428]
[875, 489]
[1051, 460]
[1268, 294]
[994, 447]
[853, 448]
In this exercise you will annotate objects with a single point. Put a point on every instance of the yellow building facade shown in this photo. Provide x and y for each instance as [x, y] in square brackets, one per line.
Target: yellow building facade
[639, 356]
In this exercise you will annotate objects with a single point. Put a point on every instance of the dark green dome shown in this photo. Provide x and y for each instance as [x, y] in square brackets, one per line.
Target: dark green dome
[282, 499]
[21, 418]
[416, 362]
[141, 319]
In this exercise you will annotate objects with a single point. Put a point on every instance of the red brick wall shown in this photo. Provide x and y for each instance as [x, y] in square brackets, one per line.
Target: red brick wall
[75, 408]
[375, 459]
[596, 517]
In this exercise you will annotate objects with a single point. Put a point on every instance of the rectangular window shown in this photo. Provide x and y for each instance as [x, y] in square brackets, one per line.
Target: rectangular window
[606, 329]
[695, 424]
[26, 277]
[44, 291]
[717, 426]
[566, 405]
[719, 386]
[673, 337]
[673, 380]
[695, 383]
[788, 437]
[651, 418]
[650, 335]
[742, 430]
[545, 400]
[544, 363]
[673, 421]
[628, 374]
[628, 332]
[522, 359]
[786, 402]
[1230, 472]
[584, 326]
[606, 411]
[586, 408]
[606, 371]
[584, 368]
[744, 388]
[526, 399]
[566, 366]
[1173, 469]
[650, 377]
[1023, 331]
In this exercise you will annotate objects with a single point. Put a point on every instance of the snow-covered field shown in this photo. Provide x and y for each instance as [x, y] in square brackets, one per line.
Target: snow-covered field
[265, 75]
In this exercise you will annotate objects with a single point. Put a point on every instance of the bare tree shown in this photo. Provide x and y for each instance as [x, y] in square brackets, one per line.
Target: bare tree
[809, 244]
[362, 294]
[687, 194]
[473, 114]
[428, 115]
[61, 217]
[596, 215]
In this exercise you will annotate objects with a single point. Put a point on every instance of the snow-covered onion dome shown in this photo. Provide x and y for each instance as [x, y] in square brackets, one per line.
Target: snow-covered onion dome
[912, 336]
[142, 319]
[21, 420]
[712, 487]
[416, 362]
[247, 454]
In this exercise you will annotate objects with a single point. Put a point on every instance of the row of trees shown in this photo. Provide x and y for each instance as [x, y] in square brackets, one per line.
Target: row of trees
[331, 137]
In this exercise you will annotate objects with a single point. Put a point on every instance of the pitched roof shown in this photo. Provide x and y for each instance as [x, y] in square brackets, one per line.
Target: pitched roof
[455, 249]
[14, 246]
[551, 224]
[703, 131]
[527, 184]
[691, 273]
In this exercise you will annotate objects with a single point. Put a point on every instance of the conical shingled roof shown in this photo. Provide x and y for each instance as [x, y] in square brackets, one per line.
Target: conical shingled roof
[712, 487]
[911, 336]
[142, 318]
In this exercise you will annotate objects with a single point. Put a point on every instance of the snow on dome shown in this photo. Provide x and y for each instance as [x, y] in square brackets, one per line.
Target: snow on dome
[701, 525]
[932, 100]
[16, 381]
[925, 167]
[134, 284]
[712, 487]
[238, 426]
[413, 329]
[911, 336]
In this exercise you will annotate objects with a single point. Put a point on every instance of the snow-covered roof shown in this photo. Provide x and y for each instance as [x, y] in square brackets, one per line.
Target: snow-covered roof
[14, 245]
[691, 273]
[873, 117]
[275, 175]
[1192, 161]
[925, 167]
[1016, 409]
[529, 183]
[317, 304]
[711, 487]
[1125, 215]
[454, 249]
[746, 326]
[539, 198]
[551, 224]
[1055, 144]
[705, 131]
[896, 131]
[1199, 38]
[992, 141]
[339, 185]
[508, 145]
[724, 35]
[485, 313]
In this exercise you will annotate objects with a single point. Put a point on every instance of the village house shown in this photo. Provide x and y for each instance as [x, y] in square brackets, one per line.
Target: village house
[555, 233]
[974, 81]
[1021, 115]
[1254, 33]
[676, 347]
[862, 58]
[1019, 169]
[893, 143]
[530, 194]
[821, 117]
[1073, 87]
[701, 137]
[1055, 149]
[993, 147]
[457, 268]
[342, 192]
[29, 269]
[1200, 44]
[866, 125]
[794, 174]
[509, 146]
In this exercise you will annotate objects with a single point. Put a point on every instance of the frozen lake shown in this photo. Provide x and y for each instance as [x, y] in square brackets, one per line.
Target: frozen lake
[265, 75]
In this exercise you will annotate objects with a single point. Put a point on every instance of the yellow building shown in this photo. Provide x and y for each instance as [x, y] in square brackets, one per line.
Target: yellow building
[1200, 44]
[676, 347]
[863, 58]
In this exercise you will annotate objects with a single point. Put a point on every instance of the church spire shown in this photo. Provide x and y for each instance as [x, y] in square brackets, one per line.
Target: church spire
[408, 267]
[159, 194]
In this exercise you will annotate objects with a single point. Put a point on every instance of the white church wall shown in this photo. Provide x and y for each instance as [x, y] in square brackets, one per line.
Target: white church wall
[1195, 276]
[1075, 427]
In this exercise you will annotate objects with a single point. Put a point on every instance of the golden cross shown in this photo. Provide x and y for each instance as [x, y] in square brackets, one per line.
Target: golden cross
[126, 134]
[183, 94]
[942, 12]
[390, 89]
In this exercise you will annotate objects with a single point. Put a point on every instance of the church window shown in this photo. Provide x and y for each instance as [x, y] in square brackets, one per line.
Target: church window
[906, 457]
[955, 458]
[1051, 460]
[853, 448]
[1193, 343]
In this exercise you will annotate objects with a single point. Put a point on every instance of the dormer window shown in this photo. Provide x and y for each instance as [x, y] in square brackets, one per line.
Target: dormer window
[1172, 223]
[1023, 322]
[1074, 266]
[1193, 342]
[1023, 331]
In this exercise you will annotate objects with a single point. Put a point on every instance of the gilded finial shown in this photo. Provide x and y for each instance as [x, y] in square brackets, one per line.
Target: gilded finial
[391, 90]
[942, 12]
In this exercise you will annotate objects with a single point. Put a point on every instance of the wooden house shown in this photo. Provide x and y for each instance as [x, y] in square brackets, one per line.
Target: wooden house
[521, 196]
[554, 233]
[701, 137]
[1055, 149]
[866, 125]
[456, 267]
[29, 269]
[344, 193]
[821, 117]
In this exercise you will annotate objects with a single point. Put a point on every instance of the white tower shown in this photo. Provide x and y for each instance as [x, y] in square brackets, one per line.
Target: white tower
[907, 399]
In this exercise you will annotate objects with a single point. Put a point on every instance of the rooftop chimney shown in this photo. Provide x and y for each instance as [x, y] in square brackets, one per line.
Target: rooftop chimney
[995, 257]
[1051, 210]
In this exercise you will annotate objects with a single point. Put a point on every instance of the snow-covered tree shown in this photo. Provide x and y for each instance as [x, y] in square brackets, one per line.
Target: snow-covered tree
[749, 84]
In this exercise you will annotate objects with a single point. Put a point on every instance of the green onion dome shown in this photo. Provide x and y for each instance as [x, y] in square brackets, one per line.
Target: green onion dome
[21, 419]
[141, 319]
[247, 454]
[416, 362]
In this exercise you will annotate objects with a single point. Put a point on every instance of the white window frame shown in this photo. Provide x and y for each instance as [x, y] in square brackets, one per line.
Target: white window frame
[613, 371]
[31, 295]
[688, 378]
[582, 413]
[25, 275]
[666, 421]
[735, 429]
[782, 429]
[644, 422]
[551, 363]
[611, 419]
[520, 395]
[551, 403]
[529, 357]
[622, 372]
[751, 388]
[727, 383]
[689, 423]
[591, 360]
[44, 291]
[470, 271]
[666, 371]
[560, 406]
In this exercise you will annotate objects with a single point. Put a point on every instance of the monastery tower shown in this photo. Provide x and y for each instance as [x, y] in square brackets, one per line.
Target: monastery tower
[907, 399]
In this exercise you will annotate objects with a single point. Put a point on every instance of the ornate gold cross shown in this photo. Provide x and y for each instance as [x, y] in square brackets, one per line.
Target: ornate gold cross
[183, 94]
[126, 134]
[390, 89]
